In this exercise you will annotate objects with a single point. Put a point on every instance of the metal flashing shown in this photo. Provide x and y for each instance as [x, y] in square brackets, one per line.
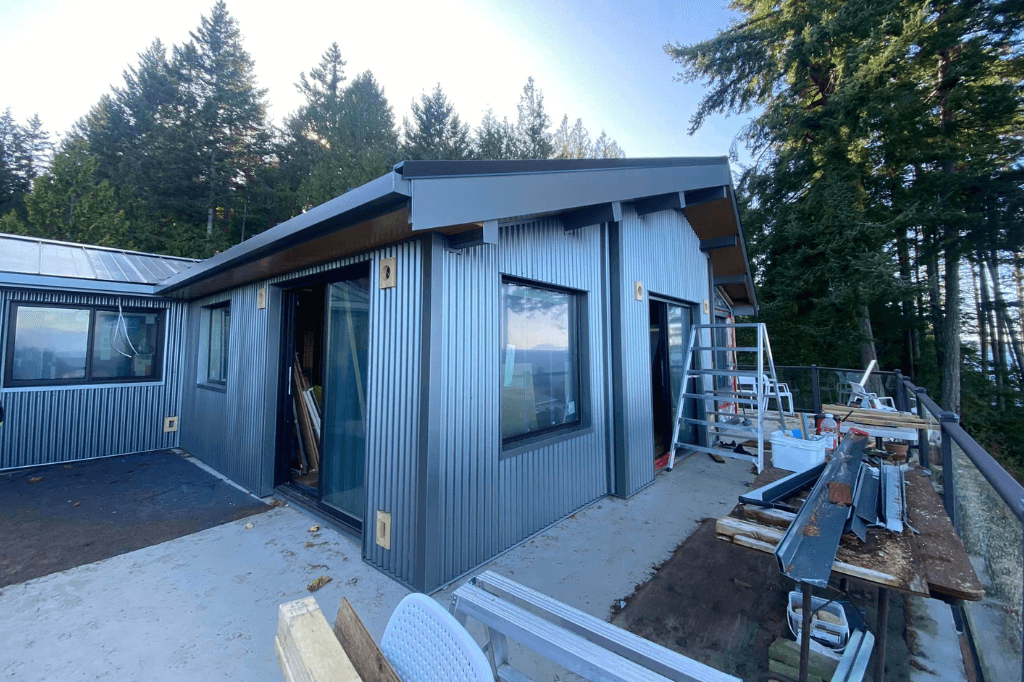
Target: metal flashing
[808, 548]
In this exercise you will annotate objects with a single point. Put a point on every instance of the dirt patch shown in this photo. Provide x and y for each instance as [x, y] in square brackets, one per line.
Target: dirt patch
[714, 602]
[724, 605]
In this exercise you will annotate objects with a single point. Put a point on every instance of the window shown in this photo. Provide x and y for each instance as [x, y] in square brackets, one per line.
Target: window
[539, 361]
[217, 344]
[60, 345]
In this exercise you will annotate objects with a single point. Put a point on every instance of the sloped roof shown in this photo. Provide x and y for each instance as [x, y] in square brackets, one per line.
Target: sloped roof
[455, 197]
[30, 260]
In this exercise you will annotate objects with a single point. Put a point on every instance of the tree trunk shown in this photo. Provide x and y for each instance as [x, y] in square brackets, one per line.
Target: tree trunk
[950, 341]
[934, 299]
[1002, 319]
[903, 253]
[980, 313]
[995, 339]
[867, 337]
[951, 328]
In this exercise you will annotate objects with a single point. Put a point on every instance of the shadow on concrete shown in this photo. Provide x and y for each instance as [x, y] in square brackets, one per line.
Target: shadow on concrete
[56, 517]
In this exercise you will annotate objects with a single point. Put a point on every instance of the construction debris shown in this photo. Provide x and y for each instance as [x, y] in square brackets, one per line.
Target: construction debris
[307, 416]
[318, 583]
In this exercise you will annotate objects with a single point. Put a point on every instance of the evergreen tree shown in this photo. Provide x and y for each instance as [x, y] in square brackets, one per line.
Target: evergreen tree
[217, 86]
[14, 177]
[494, 140]
[876, 122]
[435, 132]
[533, 138]
[68, 204]
[606, 148]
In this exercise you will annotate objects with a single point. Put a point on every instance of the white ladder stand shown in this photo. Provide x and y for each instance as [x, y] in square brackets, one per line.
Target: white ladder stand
[757, 399]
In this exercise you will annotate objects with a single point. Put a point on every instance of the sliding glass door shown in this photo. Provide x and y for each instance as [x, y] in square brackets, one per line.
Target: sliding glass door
[344, 418]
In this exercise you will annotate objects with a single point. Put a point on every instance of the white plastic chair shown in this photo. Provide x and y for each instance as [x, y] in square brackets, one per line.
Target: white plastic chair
[748, 386]
[424, 643]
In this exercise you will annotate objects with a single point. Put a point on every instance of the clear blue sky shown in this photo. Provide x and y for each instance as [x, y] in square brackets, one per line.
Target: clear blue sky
[600, 60]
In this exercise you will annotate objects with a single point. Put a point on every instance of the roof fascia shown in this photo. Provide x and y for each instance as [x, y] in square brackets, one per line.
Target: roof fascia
[14, 280]
[334, 214]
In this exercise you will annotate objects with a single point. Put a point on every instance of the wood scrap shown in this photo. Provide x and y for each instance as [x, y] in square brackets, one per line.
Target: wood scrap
[307, 432]
[364, 653]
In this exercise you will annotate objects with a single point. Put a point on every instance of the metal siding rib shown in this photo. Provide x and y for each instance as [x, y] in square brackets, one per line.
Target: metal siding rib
[662, 251]
[489, 504]
[50, 425]
[227, 430]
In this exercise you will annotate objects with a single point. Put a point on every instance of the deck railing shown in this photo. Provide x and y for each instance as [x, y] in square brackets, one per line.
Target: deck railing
[985, 503]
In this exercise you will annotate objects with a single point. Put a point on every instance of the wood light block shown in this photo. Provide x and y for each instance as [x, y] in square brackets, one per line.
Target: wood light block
[364, 653]
[306, 647]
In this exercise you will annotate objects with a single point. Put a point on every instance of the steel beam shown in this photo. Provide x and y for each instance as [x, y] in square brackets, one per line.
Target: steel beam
[592, 215]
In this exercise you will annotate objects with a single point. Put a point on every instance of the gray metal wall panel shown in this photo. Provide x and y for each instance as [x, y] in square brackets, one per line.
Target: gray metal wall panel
[63, 424]
[662, 251]
[488, 503]
[227, 430]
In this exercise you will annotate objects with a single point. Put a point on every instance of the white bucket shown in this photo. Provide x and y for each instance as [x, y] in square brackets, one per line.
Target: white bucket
[796, 454]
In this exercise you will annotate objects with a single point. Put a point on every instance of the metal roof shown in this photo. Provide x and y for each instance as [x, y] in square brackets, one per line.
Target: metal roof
[28, 261]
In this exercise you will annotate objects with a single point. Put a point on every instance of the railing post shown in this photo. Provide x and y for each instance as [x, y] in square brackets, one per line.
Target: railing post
[816, 389]
[947, 467]
[922, 434]
[901, 394]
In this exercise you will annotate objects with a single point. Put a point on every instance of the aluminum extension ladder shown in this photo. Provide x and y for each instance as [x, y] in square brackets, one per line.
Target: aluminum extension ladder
[719, 424]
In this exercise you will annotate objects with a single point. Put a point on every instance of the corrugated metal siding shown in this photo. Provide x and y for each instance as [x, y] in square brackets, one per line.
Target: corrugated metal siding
[48, 425]
[489, 504]
[662, 251]
[227, 430]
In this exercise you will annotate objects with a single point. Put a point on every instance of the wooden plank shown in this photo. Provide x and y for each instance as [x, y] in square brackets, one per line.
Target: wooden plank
[860, 415]
[306, 649]
[947, 566]
[366, 656]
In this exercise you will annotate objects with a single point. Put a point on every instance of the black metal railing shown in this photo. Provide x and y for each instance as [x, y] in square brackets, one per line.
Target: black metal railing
[977, 492]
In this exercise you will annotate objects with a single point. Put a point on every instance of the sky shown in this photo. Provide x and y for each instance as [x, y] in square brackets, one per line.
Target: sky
[599, 60]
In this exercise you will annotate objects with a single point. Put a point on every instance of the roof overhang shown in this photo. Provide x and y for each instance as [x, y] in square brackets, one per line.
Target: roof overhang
[466, 199]
[16, 280]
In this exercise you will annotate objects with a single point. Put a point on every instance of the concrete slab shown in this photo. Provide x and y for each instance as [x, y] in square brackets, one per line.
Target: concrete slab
[934, 650]
[201, 607]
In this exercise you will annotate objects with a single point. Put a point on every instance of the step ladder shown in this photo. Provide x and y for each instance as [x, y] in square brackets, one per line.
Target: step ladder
[719, 425]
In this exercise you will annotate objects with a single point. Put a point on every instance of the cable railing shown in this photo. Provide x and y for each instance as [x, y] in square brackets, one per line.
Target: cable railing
[984, 502]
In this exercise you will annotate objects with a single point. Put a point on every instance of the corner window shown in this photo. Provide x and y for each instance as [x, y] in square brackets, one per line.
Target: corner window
[217, 344]
[539, 360]
[66, 345]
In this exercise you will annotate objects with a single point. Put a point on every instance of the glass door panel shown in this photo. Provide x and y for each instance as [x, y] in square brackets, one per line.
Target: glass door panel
[678, 321]
[344, 419]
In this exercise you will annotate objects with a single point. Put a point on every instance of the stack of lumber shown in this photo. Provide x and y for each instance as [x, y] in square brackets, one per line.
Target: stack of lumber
[307, 416]
[784, 659]
[893, 420]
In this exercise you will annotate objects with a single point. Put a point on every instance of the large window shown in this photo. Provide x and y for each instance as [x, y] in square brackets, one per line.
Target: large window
[539, 361]
[59, 345]
[217, 344]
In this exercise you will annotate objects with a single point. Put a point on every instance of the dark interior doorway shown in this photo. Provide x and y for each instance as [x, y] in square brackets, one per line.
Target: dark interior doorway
[670, 324]
[323, 394]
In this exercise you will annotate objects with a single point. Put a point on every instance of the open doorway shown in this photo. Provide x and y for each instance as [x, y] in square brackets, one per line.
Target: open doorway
[670, 324]
[322, 428]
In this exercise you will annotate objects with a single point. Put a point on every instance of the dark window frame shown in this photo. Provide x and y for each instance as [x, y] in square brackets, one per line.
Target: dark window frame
[529, 440]
[220, 384]
[88, 379]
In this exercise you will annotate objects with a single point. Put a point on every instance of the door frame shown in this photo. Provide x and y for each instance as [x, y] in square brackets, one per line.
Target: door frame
[287, 344]
[694, 310]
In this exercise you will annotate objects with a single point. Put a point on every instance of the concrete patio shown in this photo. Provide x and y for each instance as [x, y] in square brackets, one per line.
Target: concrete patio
[204, 606]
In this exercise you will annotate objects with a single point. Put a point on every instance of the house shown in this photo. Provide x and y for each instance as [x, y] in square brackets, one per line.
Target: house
[497, 344]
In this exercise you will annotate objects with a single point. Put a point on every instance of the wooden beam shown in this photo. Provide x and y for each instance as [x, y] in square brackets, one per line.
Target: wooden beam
[592, 215]
[725, 242]
[486, 234]
[673, 201]
[306, 647]
[724, 280]
[366, 656]
[706, 194]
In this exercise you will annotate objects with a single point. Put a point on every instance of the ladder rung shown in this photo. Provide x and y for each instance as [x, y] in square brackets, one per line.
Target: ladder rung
[726, 372]
[734, 349]
[722, 452]
[719, 425]
[712, 395]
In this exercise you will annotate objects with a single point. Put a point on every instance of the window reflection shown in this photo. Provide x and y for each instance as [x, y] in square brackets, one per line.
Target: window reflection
[539, 373]
[50, 343]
